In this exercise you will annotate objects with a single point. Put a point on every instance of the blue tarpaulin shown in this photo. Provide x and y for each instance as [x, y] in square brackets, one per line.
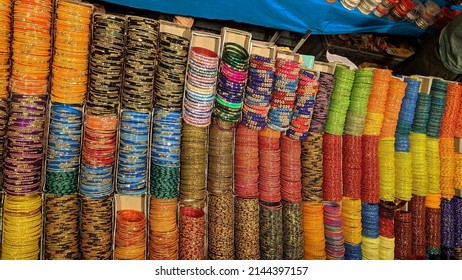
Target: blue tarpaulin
[298, 16]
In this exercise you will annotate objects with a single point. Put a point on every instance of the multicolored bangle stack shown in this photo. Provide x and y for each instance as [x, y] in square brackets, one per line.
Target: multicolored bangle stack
[333, 230]
[98, 156]
[284, 94]
[201, 79]
[304, 106]
[31, 47]
[258, 91]
[165, 154]
[312, 156]
[231, 82]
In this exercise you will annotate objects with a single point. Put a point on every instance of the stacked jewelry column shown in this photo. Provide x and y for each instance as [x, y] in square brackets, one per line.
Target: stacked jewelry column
[134, 118]
[198, 100]
[332, 166]
[170, 84]
[5, 70]
[99, 140]
[69, 82]
[447, 167]
[312, 169]
[291, 163]
[232, 80]
[275, 233]
[370, 183]
[396, 88]
[433, 202]
[22, 167]
[403, 169]
[246, 154]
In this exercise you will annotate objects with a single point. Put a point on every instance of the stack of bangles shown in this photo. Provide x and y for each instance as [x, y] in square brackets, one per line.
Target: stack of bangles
[403, 235]
[31, 46]
[312, 171]
[433, 225]
[165, 154]
[96, 228]
[321, 105]
[387, 230]
[62, 227]
[130, 235]
[98, 156]
[140, 63]
[417, 209]
[246, 162]
[313, 231]
[351, 219]
[200, 86]
[258, 91]
[333, 229]
[64, 147]
[246, 228]
[71, 50]
[231, 82]
[170, 73]
[22, 227]
[163, 229]
[291, 170]
[106, 62]
[283, 96]
[193, 159]
[5, 50]
[192, 232]
[359, 97]
[304, 106]
[377, 102]
[292, 225]
[340, 100]
[3, 131]
[270, 165]
[132, 165]
[271, 234]
[437, 107]
[23, 161]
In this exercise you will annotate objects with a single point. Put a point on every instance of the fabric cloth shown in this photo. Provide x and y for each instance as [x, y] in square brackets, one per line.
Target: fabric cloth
[298, 16]
[450, 45]
[440, 56]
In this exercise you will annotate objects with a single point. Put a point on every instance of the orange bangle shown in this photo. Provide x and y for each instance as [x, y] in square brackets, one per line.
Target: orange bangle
[101, 122]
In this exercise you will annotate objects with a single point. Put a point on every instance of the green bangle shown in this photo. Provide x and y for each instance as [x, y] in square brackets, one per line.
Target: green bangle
[239, 47]
[228, 104]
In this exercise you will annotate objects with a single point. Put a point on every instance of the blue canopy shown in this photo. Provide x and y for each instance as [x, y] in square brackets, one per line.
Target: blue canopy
[298, 16]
